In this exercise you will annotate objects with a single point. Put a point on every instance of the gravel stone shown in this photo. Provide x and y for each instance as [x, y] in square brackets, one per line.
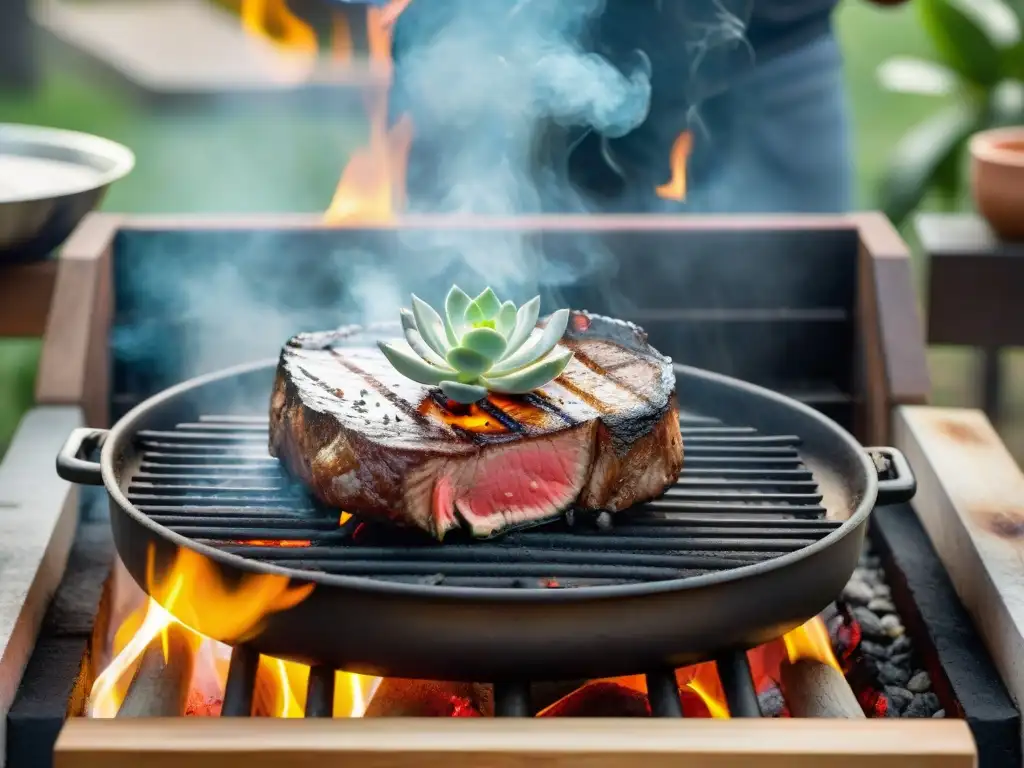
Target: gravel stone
[869, 576]
[920, 682]
[899, 698]
[870, 624]
[890, 674]
[857, 592]
[923, 705]
[891, 625]
[881, 605]
[902, 660]
[900, 645]
[874, 650]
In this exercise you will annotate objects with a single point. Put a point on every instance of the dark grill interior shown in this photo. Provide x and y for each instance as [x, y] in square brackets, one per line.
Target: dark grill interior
[742, 498]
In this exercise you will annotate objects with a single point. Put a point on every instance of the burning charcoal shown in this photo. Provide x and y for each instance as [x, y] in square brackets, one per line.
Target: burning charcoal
[899, 698]
[874, 650]
[771, 701]
[940, 713]
[604, 520]
[870, 624]
[920, 682]
[890, 674]
[881, 605]
[892, 625]
[601, 699]
[417, 698]
[857, 592]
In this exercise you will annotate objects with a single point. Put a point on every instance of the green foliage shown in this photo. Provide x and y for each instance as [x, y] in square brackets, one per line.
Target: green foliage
[979, 61]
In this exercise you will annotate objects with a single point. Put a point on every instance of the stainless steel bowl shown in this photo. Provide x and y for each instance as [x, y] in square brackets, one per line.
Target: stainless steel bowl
[49, 180]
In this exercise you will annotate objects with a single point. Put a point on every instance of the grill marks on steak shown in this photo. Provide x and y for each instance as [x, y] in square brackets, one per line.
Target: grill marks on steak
[604, 435]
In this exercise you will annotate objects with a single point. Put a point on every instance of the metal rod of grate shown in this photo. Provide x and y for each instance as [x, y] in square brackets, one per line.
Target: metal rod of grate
[511, 698]
[741, 498]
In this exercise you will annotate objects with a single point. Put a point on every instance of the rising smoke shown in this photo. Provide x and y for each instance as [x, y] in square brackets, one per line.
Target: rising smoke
[499, 92]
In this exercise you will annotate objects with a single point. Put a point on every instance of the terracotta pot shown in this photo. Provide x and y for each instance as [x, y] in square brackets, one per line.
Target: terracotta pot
[997, 179]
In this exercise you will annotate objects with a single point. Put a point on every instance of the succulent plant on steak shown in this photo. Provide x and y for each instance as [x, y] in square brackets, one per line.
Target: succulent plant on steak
[482, 345]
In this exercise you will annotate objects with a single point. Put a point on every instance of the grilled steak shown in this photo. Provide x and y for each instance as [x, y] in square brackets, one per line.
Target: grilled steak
[603, 435]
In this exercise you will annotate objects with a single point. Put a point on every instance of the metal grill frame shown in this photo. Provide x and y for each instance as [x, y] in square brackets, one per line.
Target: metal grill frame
[206, 481]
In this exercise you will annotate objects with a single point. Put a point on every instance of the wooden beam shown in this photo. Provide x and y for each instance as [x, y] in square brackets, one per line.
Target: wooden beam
[970, 498]
[892, 341]
[489, 743]
[73, 368]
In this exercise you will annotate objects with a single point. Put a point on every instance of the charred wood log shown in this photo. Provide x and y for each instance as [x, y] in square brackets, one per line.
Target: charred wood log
[160, 687]
[816, 689]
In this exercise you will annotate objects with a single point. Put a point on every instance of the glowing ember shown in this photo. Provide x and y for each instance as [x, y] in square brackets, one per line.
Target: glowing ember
[675, 189]
[285, 543]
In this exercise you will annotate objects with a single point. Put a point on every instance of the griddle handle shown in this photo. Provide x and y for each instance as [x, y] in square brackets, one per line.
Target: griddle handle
[901, 485]
[74, 469]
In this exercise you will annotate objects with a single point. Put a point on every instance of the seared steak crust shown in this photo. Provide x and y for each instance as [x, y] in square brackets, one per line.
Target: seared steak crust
[361, 437]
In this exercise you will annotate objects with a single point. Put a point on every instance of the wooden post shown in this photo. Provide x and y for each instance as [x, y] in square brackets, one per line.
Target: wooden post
[73, 369]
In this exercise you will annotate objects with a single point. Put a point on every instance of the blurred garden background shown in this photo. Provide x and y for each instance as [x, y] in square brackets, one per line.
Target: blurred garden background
[292, 158]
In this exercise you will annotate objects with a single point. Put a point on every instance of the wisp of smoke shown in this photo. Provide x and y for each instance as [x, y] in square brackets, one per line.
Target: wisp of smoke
[492, 86]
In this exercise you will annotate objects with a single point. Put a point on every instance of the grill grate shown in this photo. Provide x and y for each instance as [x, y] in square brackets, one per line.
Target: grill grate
[742, 497]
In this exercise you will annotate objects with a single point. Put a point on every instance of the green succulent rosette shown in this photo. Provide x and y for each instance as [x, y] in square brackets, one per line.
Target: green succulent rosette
[482, 345]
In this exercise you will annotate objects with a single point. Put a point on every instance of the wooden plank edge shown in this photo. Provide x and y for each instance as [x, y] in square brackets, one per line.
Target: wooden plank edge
[38, 516]
[74, 360]
[970, 499]
[478, 743]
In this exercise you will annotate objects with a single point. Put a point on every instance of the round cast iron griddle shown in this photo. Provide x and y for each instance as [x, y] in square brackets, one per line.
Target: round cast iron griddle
[493, 634]
[49, 180]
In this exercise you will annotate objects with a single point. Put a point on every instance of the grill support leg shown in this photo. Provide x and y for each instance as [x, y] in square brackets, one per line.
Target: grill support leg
[241, 683]
[663, 694]
[320, 692]
[512, 700]
[738, 684]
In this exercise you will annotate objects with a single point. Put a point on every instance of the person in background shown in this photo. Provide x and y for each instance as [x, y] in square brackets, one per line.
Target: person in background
[758, 84]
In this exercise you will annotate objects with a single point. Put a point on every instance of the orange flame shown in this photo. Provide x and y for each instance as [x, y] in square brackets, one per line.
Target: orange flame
[273, 20]
[372, 186]
[192, 586]
[675, 189]
[811, 641]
